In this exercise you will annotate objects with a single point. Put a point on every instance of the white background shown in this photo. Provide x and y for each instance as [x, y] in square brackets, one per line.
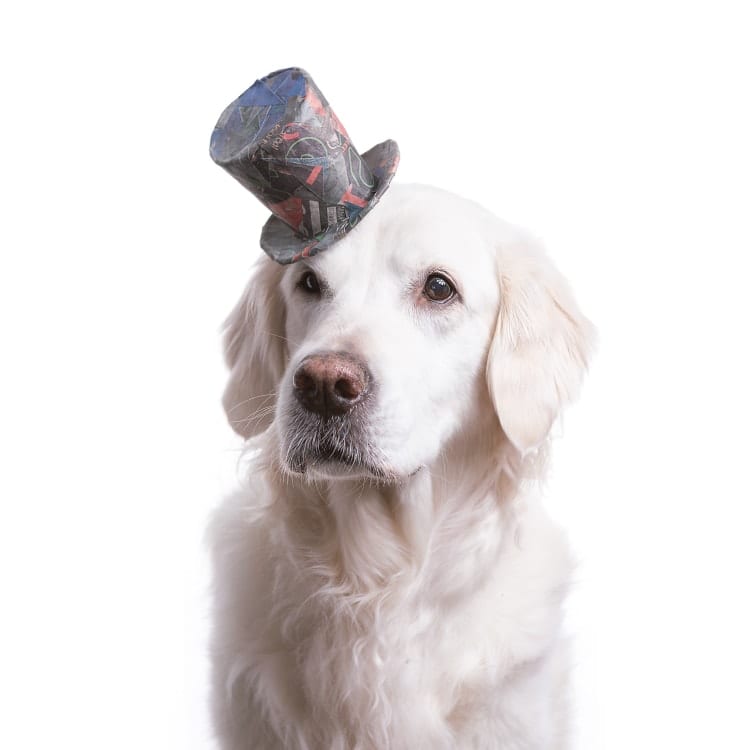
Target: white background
[617, 132]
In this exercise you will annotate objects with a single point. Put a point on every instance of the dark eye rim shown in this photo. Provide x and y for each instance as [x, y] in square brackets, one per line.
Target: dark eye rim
[302, 283]
[439, 273]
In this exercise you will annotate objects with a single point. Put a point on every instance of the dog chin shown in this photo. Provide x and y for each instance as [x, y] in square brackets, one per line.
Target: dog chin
[340, 467]
[331, 469]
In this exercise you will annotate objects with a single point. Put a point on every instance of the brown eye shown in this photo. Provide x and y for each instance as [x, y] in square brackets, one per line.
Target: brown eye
[438, 288]
[309, 283]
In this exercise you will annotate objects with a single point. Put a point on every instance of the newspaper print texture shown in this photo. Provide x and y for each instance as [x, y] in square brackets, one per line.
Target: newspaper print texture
[283, 142]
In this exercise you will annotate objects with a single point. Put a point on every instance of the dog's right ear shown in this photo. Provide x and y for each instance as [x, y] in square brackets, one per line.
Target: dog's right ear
[255, 351]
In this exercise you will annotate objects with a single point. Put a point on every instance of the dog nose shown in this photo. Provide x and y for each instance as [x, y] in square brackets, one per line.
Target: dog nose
[330, 383]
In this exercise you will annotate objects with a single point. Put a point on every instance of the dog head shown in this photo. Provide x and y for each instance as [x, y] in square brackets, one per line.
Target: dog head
[429, 320]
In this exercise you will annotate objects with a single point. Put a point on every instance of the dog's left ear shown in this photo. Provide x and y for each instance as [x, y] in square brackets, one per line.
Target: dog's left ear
[540, 349]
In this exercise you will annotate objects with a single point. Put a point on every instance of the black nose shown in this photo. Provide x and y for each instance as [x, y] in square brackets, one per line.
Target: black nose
[330, 383]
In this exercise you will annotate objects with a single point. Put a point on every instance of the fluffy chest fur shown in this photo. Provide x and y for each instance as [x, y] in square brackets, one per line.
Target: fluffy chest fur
[357, 617]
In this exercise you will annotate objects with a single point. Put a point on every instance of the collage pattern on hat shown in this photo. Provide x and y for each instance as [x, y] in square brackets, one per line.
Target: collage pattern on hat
[284, 143]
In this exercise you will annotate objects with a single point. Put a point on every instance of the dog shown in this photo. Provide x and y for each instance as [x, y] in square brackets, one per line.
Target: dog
[387, 578]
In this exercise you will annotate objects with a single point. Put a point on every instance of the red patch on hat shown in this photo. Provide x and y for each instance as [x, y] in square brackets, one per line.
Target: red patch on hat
[289, 211]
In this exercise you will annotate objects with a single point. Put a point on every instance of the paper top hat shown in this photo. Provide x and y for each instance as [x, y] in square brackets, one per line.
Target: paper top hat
[283, 142]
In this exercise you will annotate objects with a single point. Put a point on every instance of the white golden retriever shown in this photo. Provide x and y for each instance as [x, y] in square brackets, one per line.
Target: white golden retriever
[387, 580]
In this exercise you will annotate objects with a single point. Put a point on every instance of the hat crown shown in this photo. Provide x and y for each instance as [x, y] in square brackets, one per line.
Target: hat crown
[294, 153]
[283, 142]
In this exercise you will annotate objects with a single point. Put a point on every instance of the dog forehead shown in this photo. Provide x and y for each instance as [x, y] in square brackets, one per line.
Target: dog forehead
[415, 229]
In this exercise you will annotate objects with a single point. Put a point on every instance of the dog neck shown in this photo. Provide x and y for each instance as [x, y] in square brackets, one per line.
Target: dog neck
[362, 538]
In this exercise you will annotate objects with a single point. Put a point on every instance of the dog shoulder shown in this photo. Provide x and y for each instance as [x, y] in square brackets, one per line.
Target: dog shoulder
[533, 577]
[240, 544]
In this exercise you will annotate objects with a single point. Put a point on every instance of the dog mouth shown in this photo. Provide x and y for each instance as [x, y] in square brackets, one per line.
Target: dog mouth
[329, 453]
[334, 461]
[332, 456]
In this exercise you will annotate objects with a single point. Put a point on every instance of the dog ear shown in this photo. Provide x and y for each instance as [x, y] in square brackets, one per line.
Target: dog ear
[255, 351]
[540, 349]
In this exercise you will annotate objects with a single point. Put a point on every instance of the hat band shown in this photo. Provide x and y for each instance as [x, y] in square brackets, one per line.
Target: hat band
[310, 218]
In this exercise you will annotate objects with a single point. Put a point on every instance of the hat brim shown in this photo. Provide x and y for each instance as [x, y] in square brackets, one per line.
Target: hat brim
[282, 244]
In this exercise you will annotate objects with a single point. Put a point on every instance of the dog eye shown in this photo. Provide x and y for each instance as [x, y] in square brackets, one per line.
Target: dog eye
[309, 283]
[438, 288]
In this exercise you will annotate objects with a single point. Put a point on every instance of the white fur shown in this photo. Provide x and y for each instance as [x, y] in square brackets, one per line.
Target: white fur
[419, 611]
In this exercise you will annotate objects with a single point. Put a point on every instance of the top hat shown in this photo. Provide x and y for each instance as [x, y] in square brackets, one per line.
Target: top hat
[283, 142]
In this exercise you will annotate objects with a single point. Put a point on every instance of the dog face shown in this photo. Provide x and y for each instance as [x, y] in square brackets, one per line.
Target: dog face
[387, 334]
[430, 316]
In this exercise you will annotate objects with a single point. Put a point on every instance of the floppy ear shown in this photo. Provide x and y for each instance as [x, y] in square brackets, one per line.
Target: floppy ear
[255, 351]
[541, 346]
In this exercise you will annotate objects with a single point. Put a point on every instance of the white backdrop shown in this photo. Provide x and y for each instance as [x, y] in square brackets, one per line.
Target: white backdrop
[617, 132]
